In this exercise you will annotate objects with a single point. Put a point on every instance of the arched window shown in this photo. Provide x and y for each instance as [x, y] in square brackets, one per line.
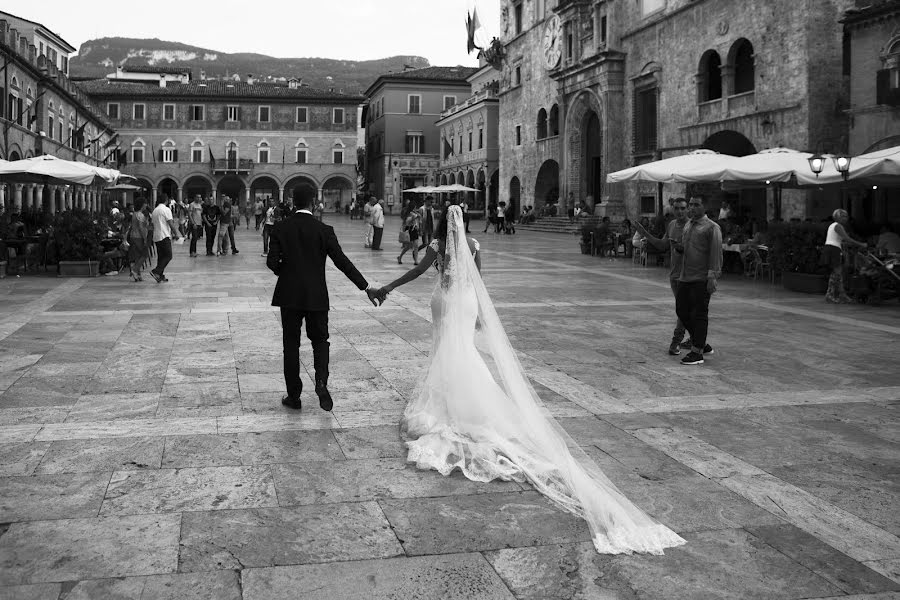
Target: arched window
[887, 79]
[168, 153]
[553, 120]
[709, 77]
[137, 151]
[542, 124]
[742, 63]
[262, 152]
[197, 154]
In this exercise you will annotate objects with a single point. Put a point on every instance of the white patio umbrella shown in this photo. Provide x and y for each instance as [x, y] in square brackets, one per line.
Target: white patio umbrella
[699, 165]
[422, 189]
[881, 165]
[454, 187]
[51, 167]
[780, 165]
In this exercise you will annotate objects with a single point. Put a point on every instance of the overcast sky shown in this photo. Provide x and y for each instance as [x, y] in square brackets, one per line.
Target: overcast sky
[342, 29]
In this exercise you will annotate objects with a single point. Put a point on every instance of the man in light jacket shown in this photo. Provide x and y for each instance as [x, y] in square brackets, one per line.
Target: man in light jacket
[377, 224]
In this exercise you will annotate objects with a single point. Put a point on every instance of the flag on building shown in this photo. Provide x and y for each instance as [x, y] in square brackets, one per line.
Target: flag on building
[153, 153]
[472, 25]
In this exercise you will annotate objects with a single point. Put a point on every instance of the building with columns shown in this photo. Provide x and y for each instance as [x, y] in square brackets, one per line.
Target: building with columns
[43, 112]
[593, 86]
[403, 146]
[469, 148]
[225, 138]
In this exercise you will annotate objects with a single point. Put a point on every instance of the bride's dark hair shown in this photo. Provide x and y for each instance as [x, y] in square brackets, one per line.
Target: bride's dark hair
[440, 232]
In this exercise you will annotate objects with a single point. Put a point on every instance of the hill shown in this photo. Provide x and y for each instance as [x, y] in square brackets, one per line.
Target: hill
[97, 58]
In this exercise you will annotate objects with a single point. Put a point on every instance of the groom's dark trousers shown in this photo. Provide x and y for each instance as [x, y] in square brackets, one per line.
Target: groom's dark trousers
[316, 332]
[298, 248]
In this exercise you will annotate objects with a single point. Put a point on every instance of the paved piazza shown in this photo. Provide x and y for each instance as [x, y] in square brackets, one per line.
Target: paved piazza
[144, 452]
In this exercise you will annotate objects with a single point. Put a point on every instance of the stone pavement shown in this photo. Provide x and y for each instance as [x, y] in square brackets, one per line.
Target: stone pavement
[144, 452]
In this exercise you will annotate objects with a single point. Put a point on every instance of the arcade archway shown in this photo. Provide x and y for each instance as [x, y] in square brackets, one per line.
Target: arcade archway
[300, 181]
[336, 192]
[515, 195]
[231, 186]
[167, 186]
[546, 186]
[744, 204]
[196, 185]
[263, 188]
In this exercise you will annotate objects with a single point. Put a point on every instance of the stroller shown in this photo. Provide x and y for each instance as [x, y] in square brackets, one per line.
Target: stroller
[877, 280]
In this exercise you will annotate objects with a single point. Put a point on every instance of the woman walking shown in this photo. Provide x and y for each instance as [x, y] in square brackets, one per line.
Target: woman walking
[832, 256]
[138, 234]
[411, 226]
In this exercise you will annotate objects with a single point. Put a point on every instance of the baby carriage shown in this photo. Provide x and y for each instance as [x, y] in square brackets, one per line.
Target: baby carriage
[877, 280]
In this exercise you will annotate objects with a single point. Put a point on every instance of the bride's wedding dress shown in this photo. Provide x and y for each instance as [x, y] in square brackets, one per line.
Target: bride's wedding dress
[476, 411]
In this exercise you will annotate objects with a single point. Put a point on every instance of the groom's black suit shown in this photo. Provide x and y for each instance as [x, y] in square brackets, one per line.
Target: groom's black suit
[297, 250]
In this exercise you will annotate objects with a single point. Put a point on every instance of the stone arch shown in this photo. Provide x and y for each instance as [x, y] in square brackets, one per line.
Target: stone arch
[515, 195]
[336, 191]
[542, 123]
[443, 179]
[582, 169]
[300, 180]
[746, 202]
[167, 185]
[741, 62]
[546, 184]
[729, 142]
[709, 77]
[553, 121]
[884, 144]
[15, 152]
[196, 183]
[232, 186]
[264, 186]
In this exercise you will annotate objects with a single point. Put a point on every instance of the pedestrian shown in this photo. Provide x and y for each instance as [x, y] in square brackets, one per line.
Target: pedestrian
[299, 247]
[367, 219]
[428, 219]
[509, 217]
[225, 235]
[195, 223]
[489, 214]
[259, 211]
[352, 208]
[701, 267]
[411, 226]
[673, 242]
[320, 210]
[163, 232]
[464, 206]
[138, 232]
[501, 219]
[248, 213]
[211, 216]
[833, 256]
[268, 224]
[377, 216]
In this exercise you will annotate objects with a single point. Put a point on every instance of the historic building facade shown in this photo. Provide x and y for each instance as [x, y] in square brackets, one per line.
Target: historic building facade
[873, 34]
[470, 153]
[623, 83]
[240, 139]
[43, 112]
[403, 144]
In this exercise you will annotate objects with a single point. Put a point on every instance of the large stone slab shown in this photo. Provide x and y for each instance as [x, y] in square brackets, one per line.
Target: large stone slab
[481, 522]
[75, 549]
[237, 539]
[286, 420]
[108, 454]
[378, 441]
[21, 458]
[713, 565]
[262, 448]
[44, 497]
[108, 407]
[183, 451]
[173, 490]
[367, 479]
[448, 577]
[126, 428]
[221, 585]
[44, 391]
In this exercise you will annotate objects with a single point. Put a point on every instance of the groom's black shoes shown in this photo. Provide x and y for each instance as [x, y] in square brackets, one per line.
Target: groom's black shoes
[292, 402]
[324, 397]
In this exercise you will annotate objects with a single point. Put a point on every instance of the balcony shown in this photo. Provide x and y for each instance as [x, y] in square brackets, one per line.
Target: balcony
[488, 93]
[238, 166]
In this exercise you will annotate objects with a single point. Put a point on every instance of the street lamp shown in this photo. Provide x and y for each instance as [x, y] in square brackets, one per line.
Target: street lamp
[817, 163]
[842, 164]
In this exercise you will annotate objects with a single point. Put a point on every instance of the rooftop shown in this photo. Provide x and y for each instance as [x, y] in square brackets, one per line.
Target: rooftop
[151, 69]
[457, 74]
[59, 38]
[211, 89]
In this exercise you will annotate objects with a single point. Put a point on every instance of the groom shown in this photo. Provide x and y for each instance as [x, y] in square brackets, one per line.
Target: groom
[297, 249]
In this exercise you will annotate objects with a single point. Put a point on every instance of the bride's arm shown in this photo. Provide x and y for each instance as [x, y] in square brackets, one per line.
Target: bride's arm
[427, 261]
[476, 252]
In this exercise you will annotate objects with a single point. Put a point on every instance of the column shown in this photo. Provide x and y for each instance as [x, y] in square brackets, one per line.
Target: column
[17, 197]
[79, 194]
[246, 197]
[3, 199]
[280, 195]
[153, 197]
[40, 197]
[177, 196]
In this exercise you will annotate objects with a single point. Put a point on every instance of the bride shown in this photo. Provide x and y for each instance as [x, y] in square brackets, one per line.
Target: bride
[476, 410]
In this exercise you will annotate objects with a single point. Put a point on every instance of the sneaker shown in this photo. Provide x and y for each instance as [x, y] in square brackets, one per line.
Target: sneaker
[156, 277]
[674, 350]
[111, 273]
[692, 358]
[264, 254]
[687, 344]
[164, 278]
[235, 251]
[707, 349]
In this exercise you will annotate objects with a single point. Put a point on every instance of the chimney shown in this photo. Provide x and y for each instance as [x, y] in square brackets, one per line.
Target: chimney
[162, 80]
[120, 72]
[202, 75]
[250, 79]
[293, 83]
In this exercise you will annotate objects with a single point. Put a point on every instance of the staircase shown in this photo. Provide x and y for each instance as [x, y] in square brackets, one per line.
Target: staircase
[559, 225]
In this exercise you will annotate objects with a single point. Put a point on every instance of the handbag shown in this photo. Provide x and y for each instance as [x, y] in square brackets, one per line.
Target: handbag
[404, 236]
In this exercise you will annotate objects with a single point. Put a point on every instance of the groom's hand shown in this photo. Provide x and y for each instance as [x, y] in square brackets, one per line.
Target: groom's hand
[372, 293]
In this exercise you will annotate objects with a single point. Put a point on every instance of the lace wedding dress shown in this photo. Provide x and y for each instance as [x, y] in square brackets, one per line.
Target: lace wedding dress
[476, 411]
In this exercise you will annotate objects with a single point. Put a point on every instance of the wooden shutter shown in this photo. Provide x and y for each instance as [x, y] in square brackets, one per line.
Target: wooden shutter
[882, 85]
[239, 115]
[3, 103]
[174, 155]
[19, 112]
[160, 155]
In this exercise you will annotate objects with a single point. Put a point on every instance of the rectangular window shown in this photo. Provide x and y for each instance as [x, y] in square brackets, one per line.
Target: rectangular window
[337, 157]
[337, 116]
[302, 114]
[648, 205]
[169, 155]
[648, 7]
[197, 112]
[517, 18]
[234, 113]
[301, 156]
[518, 135]
[137, 155]
[414, 104]
[168, 112]
[264, 114]
[263, 156]
[197, 155]
[470, 141]
[112, 110]
[603, 30]
[480, 138]
[140, 112]
[518, 76]
[42, 48]
[645, 120]
[449, 101]
[415, 143]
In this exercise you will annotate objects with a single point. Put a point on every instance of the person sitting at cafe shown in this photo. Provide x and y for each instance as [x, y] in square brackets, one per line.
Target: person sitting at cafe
[527, 215]
[626, 232]
[888, 241]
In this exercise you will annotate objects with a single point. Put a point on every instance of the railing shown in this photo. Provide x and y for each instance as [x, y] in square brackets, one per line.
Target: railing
[485, 94]
[237, 165]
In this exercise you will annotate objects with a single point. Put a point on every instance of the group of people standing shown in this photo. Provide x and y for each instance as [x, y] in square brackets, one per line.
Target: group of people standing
[144, 231]
[501, 216]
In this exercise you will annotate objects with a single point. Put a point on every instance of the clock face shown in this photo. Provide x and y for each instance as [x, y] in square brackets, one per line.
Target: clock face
[552, 43]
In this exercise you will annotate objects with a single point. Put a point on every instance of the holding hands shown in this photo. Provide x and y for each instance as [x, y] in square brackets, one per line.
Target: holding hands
[377, 296]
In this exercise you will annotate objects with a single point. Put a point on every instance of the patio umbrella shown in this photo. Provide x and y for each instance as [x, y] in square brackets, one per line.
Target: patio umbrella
[878, 166]
[123, 187]
[780, 165]
[699, 165]
[454, 187]
[49, 167]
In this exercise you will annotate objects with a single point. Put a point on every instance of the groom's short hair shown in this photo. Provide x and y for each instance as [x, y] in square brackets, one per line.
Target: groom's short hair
[303, 196]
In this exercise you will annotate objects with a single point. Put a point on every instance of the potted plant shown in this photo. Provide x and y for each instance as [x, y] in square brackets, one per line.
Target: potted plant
[77, 239]
[795, 251]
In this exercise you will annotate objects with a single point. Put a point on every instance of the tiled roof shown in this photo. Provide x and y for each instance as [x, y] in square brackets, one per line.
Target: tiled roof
[871, 10]
[150, 69]
[212, 89]
[435, 74]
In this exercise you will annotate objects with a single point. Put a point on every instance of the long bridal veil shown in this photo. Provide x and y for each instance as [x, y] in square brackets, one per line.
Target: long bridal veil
[476, 411]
